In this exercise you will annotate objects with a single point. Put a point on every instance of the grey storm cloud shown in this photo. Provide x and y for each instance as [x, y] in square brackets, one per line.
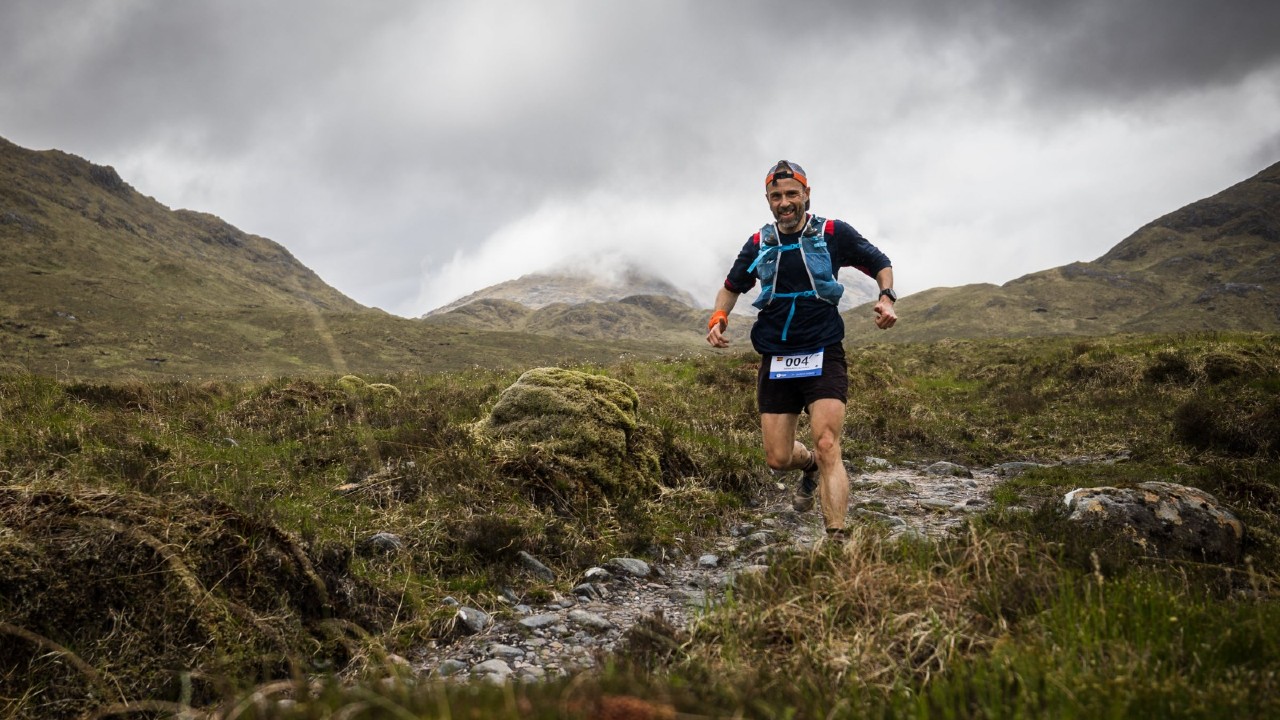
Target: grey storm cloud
[411, 152]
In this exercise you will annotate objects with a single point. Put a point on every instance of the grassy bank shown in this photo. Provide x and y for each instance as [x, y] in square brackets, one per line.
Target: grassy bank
[183, 542]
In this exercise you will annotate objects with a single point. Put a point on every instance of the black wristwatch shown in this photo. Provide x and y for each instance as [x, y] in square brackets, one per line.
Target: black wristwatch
[893, 296]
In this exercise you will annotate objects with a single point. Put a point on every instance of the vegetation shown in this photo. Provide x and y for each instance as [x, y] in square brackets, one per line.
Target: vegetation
[177, 545]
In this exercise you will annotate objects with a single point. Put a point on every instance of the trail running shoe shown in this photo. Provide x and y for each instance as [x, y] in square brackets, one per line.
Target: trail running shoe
[802, 501]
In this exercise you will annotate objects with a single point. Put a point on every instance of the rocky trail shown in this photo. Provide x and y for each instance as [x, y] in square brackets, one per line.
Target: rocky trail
[529, 643]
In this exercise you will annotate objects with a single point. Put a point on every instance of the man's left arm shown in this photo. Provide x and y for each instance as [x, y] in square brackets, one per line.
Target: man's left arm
[856, 251]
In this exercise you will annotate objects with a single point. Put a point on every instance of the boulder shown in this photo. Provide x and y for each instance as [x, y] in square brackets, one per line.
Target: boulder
[576, 434]
[1163, 519]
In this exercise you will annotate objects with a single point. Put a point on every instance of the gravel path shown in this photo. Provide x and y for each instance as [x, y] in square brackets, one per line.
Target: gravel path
[531, 643]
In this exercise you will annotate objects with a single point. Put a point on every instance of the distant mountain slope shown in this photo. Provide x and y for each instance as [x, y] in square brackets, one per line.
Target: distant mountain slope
[99, 281]
[1212, 265]
[77, 228]
[637, 305]
[536, 290]
[654, 320]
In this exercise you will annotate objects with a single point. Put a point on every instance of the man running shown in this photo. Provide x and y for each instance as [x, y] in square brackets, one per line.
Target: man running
[800, 335]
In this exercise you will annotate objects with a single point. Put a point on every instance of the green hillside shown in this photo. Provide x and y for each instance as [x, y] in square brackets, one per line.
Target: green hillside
[99, 281]
[1212, 265]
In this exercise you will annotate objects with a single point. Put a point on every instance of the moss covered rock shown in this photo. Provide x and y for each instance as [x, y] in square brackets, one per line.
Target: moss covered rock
[574, 437]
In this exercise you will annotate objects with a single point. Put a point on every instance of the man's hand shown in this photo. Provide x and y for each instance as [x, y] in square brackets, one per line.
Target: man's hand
[885, 315]
[716, 327]
[719, 321]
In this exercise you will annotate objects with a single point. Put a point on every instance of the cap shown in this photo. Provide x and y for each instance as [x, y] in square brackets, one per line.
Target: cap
[783, 170]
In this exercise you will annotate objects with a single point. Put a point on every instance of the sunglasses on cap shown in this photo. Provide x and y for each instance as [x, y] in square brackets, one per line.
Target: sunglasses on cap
[783, 170]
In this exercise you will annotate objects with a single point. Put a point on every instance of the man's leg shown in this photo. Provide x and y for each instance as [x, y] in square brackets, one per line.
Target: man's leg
[826, 419]
[781, 449]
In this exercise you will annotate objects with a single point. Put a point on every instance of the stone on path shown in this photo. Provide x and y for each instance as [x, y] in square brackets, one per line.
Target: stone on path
[473, 621]
[538, 622]
[495, 671]
[630, 566]
[590, 621]
[949, 469]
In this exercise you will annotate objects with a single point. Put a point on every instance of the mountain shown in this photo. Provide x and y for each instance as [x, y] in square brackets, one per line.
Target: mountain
[635, 304]
[1212, 265]
[537, 290]
[655, 320]
[100, 281]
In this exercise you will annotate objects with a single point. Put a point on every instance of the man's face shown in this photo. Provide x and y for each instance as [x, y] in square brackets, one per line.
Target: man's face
[787, 198]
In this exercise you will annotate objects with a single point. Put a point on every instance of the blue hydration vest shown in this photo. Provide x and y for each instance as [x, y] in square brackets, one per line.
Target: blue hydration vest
[817, 262]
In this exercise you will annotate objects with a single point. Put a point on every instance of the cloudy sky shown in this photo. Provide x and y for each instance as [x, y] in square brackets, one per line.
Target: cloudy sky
[412, 152]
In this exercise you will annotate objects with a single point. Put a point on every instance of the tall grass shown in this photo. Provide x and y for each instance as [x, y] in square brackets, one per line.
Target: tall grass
[1021, 616]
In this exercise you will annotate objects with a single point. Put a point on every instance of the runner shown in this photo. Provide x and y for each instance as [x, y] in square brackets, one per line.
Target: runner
[800, 335]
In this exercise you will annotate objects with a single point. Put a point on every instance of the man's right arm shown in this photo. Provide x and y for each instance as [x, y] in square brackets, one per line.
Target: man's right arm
[719, 322]
[739, 280]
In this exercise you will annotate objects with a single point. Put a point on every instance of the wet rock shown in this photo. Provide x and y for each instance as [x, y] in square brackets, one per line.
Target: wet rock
[472, 621]
[630, 566]
[535, 566]
[891, 520]
[948, 469]
[539, 622]
[505, 652]
[905, 533]
[589, 620]
[1014, 469]
[591, 591]
[1163, 519]
[495, 671]
[597, 575]
[450, 666]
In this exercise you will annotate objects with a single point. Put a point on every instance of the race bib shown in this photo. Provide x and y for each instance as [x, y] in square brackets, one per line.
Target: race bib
[783, 367]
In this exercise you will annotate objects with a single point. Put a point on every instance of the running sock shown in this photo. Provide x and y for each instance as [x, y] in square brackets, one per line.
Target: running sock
[813, 462]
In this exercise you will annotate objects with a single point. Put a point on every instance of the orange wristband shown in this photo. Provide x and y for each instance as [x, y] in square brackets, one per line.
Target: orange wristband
[718, 317]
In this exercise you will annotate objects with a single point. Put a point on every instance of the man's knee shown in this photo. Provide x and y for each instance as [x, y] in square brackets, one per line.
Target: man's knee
[778, 462]
[827, 443]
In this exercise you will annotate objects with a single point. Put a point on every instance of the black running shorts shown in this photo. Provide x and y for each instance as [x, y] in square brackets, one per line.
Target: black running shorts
[793, 395]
